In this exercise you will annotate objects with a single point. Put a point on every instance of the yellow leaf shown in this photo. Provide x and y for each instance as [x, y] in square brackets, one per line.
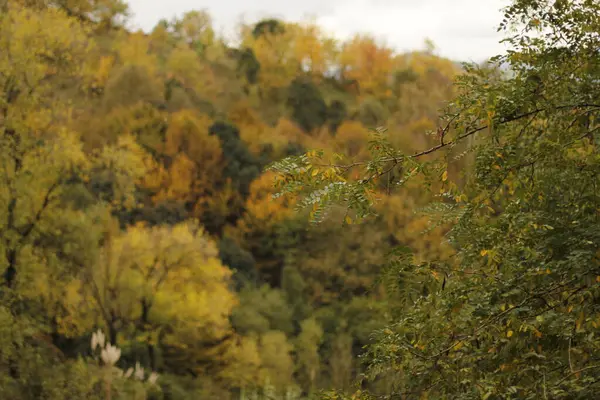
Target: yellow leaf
[580, 320]
[348, 220]
[445, 176]
[314, 172]
[483, 253]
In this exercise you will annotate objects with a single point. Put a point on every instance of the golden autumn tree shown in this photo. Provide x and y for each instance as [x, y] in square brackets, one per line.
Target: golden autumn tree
[194, 157]
[272, 44]
[253, 130]
[368, 63]
[43, 61]
[163, 286]
[38, 153]
[315, 51]
[352, 139]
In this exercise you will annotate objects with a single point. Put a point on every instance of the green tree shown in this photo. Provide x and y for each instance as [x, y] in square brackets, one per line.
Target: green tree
[261, 310]
[242, 166]
[308, 107]
[268, 27]
[336, 114]
[514, 313]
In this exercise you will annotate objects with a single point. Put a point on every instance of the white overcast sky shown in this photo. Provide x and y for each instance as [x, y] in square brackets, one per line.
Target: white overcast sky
[463, 30]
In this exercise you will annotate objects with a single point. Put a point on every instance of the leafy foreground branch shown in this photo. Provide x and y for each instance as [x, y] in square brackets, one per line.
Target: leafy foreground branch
[516, 313]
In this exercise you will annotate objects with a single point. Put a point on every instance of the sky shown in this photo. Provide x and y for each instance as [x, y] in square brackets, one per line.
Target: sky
[463, 30]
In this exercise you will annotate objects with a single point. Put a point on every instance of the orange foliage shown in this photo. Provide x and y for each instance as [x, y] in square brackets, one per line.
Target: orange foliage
[352, 139]
[195, 157]
[253, 131]
[262, 210]
[368, 63]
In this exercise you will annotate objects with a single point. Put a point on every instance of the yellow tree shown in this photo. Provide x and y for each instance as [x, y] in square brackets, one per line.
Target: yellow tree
[352, 139]
[277, 362]
[315, 52]
[109, 185]
[38, 154]
[195, 29]
[191, 172]
[274, 50]
[105, 14]
[164, 286]
[43, 57]
[253, 130]
[367, 62]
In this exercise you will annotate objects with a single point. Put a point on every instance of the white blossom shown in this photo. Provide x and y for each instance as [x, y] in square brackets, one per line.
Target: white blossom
[98, 339]
[139, 371]
[152, 378]
[111, 354]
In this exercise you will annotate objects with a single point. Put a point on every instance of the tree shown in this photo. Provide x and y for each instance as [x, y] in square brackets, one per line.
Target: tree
[336, 114]
[241, 165]
[341, 361]
[144, 282]
[248, 65]
[262, 310]
[106, 14]
[307, 353]
[268, 27]
[308, 107]
[38, 154]
[372, 113]
[130, 85]
[195, 29]
[368, 63]
[257, 229]
[271, 42]
[514, 313]
[277, 362]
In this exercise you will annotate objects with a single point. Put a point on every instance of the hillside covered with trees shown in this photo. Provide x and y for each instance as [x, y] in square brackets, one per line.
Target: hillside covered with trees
[159, 193]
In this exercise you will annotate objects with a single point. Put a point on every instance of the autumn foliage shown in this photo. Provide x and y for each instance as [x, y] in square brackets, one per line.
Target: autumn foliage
[134, 199]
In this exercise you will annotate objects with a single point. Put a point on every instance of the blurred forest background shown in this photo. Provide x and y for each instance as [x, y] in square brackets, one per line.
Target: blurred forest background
[133, 200]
